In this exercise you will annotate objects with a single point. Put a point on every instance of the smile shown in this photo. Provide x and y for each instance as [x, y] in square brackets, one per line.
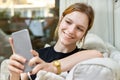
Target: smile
[68, 35]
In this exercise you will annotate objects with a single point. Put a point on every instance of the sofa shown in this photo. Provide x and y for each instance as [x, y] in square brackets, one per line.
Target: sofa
[107, 68]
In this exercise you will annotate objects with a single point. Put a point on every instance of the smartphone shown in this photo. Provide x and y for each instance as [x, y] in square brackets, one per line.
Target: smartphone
[22, 46]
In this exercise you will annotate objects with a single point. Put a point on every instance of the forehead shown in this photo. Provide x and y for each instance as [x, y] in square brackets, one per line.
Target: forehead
[78, 18]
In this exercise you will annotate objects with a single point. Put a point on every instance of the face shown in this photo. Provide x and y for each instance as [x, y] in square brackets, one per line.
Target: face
[72, 28]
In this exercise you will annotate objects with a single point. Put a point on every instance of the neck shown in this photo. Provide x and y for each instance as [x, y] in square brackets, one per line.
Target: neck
[60, 47]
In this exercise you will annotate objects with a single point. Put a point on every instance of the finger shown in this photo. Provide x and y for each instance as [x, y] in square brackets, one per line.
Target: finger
[18, 58]
[34, 53]
[34, 61]
[16, 64]
[36, 69]
[11, 44]
[15, 70]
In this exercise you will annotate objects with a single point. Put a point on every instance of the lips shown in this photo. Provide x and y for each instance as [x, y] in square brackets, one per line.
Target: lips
[68, 36]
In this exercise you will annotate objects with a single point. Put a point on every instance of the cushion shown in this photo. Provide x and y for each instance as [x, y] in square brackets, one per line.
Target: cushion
[44, 75]
[106, 69]
[4, 74]
[92, 41]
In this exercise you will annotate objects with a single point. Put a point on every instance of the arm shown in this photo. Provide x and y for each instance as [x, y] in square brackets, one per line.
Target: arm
[66, 63]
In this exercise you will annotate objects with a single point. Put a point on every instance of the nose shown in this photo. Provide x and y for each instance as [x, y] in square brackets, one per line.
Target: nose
[71, 29]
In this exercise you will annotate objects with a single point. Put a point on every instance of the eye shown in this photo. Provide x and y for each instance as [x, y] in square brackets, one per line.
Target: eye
[68, 22]
[79, 28]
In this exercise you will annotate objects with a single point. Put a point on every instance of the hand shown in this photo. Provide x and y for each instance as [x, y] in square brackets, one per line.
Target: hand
[16, 62]
[39, 64]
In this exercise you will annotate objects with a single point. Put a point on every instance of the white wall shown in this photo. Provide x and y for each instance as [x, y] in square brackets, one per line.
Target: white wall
[103, 24]
[117, 24]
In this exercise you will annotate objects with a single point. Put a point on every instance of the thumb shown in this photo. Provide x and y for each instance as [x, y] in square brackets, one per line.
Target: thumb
[11, 44]
[35, 53]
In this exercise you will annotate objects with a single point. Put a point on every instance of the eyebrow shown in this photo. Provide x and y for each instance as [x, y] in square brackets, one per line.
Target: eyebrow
[77, 25]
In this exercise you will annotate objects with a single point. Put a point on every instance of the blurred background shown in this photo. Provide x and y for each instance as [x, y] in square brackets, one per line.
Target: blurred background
[39, 16]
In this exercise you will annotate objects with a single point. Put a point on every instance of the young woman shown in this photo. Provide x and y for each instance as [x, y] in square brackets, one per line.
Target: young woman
[73, 26]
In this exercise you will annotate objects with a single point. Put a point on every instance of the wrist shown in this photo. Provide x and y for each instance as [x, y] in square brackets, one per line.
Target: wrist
[57, 66]
[14, 77]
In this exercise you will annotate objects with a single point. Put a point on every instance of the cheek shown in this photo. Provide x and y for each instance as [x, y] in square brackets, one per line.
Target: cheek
[60, 28]
[63, 25]
[80, 35]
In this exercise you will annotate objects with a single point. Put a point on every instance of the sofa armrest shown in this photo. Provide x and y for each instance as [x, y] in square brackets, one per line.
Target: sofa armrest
[92, 41]
[95, 69]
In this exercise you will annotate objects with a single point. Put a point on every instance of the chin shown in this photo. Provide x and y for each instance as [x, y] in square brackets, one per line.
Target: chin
[63, 41]
[66, 42]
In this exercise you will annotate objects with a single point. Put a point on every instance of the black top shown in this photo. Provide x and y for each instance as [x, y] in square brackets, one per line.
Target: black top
[49, 54]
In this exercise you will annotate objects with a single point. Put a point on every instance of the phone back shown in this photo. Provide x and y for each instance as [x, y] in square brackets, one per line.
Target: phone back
[22, 46]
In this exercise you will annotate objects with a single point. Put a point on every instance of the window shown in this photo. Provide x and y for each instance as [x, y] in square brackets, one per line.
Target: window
[4, 1]
[19, 16]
